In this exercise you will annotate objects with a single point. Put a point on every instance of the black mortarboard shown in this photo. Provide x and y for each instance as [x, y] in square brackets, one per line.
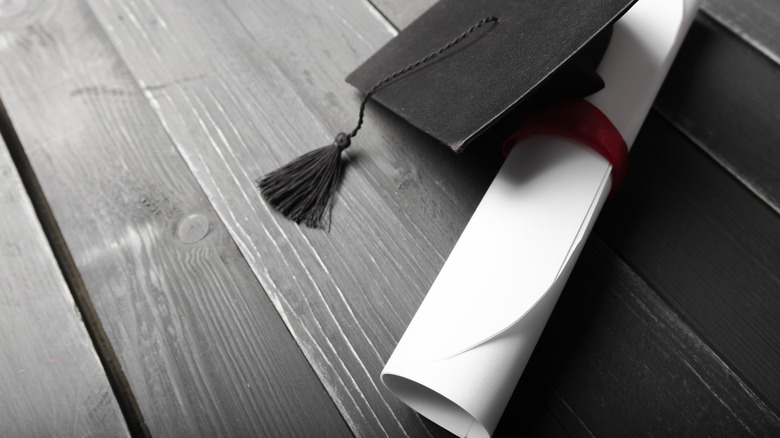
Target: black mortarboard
[453, 73]
[537, 51]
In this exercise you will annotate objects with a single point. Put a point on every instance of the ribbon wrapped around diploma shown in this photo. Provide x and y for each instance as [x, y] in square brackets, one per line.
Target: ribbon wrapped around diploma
[464, 351]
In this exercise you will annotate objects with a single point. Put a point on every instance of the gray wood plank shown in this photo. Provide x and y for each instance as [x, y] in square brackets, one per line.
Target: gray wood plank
[708, 246]
[51, 381]
[200, 344]
[718, 93]
[616, 360]
[243, 87]
[755, 21]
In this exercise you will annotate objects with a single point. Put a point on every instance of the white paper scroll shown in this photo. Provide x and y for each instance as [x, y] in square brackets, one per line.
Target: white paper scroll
[461, 356]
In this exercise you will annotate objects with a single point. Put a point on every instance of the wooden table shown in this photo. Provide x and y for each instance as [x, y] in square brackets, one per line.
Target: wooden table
[134, 131]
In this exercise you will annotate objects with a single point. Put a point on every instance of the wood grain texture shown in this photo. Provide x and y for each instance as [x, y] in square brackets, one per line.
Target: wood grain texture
[755, 21]
[720, 93]
[203, 350]
[708, 247]
[616, 360]
[51, 381]
[262, 85]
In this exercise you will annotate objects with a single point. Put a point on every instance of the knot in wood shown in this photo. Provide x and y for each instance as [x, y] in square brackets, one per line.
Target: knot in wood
[193, 228]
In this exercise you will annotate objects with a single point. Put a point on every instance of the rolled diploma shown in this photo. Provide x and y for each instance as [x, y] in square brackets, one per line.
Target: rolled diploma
[464, 351]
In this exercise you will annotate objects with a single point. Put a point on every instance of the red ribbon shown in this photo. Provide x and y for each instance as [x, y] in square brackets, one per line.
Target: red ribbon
[579, 120]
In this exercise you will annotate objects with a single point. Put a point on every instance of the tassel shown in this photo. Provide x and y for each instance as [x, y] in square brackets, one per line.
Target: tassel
[304, 189]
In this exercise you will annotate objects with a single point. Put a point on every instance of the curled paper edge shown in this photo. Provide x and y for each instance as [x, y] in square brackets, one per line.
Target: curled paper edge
[434, 387]
[464, 385]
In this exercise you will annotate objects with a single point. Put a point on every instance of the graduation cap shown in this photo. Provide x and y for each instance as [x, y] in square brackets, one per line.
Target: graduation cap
[461, 68]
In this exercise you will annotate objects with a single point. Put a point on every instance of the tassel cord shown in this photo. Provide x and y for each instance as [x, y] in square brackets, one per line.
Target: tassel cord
[304, 189]
[414, 66]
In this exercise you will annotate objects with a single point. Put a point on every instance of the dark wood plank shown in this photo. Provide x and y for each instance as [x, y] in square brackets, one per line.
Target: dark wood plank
[708, 246]
[755, 21]
[721, 94]
[51, 382]
[616, 360]
[245, 86]
[202, 348]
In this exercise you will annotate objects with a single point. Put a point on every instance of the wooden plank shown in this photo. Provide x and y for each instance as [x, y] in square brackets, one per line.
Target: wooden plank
[755, 21]
[266, 83]
[616, 360]
[201, 346]
[708, 247]
[717, 93]
[51, 381]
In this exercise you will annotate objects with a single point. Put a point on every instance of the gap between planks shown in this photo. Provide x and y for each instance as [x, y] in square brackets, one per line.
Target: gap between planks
[102, 345]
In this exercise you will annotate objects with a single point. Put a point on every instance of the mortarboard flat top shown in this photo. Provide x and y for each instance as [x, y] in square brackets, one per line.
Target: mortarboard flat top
[477, 82]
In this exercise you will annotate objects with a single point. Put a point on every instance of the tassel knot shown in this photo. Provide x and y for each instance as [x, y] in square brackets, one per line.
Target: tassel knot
[342, 141]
